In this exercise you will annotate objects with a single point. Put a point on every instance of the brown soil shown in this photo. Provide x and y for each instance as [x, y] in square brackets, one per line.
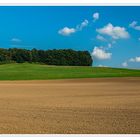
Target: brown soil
[82, 106]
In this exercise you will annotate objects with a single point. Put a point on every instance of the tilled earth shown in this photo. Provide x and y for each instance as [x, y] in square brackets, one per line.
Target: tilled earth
[80, 106]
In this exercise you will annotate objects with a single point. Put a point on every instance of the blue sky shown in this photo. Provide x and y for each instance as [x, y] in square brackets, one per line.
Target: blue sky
[110, 34]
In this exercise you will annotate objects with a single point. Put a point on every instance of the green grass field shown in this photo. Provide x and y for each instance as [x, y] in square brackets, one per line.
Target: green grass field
[27, 71]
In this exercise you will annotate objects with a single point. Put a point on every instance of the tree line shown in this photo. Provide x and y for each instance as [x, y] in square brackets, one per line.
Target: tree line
[67, 57]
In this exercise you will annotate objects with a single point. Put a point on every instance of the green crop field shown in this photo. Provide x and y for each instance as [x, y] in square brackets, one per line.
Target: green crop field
[28, 71]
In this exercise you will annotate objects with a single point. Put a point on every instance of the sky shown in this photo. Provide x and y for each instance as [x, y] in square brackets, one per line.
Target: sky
[110, 33]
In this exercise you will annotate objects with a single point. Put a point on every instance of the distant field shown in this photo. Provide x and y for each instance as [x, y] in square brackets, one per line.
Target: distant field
[27, 71]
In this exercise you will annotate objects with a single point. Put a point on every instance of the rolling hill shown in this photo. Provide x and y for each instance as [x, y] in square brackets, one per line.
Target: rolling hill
[26, 71]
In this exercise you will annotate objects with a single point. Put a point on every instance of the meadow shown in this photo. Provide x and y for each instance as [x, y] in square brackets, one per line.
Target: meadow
[27, 71]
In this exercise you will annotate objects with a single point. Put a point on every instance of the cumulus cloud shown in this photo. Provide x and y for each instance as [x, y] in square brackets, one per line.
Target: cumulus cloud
[66, 31]
[124, 64]
[16, 40]
[95, 16]
[136, 59]
[101, 38]
[134, 25]
[101, 54]
[116, 32]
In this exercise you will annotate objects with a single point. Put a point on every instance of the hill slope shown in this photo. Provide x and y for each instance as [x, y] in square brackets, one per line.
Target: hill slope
[27, 71]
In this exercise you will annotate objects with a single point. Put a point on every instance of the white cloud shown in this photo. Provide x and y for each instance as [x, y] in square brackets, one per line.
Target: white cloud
[136, 59]
[66, 31]
[124, 64]
[116, 32]
[102, 65]
[134, 25]
[101, 38]
[99, 53]
[15, 40]
[131, 60]
[82, 25]
[95, 16]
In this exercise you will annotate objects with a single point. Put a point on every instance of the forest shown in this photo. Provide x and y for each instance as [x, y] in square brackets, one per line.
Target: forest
[65, 57]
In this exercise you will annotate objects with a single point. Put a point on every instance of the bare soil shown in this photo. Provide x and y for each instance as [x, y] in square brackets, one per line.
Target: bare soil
[80, 106]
